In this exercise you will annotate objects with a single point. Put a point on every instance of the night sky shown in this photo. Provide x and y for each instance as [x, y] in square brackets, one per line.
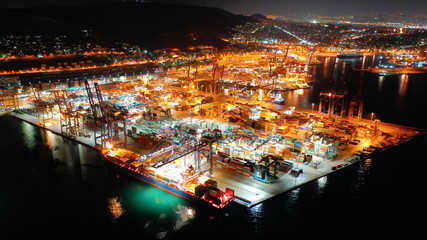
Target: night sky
[275, 7]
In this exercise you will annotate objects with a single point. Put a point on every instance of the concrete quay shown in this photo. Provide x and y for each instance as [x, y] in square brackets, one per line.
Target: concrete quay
[250, 192]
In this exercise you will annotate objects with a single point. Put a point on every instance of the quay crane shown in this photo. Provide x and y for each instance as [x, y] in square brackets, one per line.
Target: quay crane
[110, 125]
[8, 100]
[70, 119]
[191, 142]
[44, 107]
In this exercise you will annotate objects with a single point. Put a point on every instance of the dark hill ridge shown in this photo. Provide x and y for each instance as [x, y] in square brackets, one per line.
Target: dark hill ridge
[16, 22]
[188, 36]
[259, 16]
[151, 25]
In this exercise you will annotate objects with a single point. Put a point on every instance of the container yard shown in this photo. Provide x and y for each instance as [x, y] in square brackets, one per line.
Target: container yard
[203, 146]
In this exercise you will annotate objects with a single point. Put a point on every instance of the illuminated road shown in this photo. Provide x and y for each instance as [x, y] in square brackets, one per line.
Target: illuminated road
[295, 36]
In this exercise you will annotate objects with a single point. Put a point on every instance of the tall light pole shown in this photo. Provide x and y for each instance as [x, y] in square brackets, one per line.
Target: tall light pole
[372, 116]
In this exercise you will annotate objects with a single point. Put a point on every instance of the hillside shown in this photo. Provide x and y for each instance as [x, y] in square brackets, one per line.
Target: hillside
[16, 22]
[150, 25]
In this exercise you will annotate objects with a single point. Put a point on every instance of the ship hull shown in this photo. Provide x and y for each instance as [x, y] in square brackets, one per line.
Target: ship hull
[168, 188]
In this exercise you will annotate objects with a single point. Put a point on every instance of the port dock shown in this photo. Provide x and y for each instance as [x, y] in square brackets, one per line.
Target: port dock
[313, 143]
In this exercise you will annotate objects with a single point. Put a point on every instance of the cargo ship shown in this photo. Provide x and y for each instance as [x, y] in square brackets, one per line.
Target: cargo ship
[186, 183]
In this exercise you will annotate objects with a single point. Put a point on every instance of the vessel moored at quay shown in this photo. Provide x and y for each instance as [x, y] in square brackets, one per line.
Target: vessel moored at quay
[188, 184]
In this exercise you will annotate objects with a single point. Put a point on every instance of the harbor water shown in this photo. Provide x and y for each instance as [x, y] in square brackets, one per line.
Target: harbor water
[52, 187]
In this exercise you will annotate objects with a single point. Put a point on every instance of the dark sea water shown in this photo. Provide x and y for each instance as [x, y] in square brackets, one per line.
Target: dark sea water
[54, 188]
[398, 98]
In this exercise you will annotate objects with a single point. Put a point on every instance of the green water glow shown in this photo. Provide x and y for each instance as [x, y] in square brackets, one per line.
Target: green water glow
[149, 199]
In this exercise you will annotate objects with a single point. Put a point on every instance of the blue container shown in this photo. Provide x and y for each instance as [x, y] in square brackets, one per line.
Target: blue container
[298, 144]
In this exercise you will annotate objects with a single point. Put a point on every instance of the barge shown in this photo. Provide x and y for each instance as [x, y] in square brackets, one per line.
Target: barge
[189, 184]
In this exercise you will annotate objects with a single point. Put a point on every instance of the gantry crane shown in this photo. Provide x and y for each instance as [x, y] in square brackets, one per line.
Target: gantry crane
[333, 103]
[70, 120]
[356, 106]
[44, 107]
[217, 79]
[375, 126]
[109, 124]
[8, 101]
[190, 81]
[191, 143]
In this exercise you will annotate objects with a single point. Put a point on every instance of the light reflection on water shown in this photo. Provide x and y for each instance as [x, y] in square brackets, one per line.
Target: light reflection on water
[115, 207]
[321, 184]
[294, 195]
[256, 218]
[403, 88]
[29, 134]
[292, 199]
[256, 211]
[160, 213]
[161, 234]
[403, 85]
[380, 83]
[184, 216]
[49, 138]
[149, 199]
[365, 167]
[363, 173]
